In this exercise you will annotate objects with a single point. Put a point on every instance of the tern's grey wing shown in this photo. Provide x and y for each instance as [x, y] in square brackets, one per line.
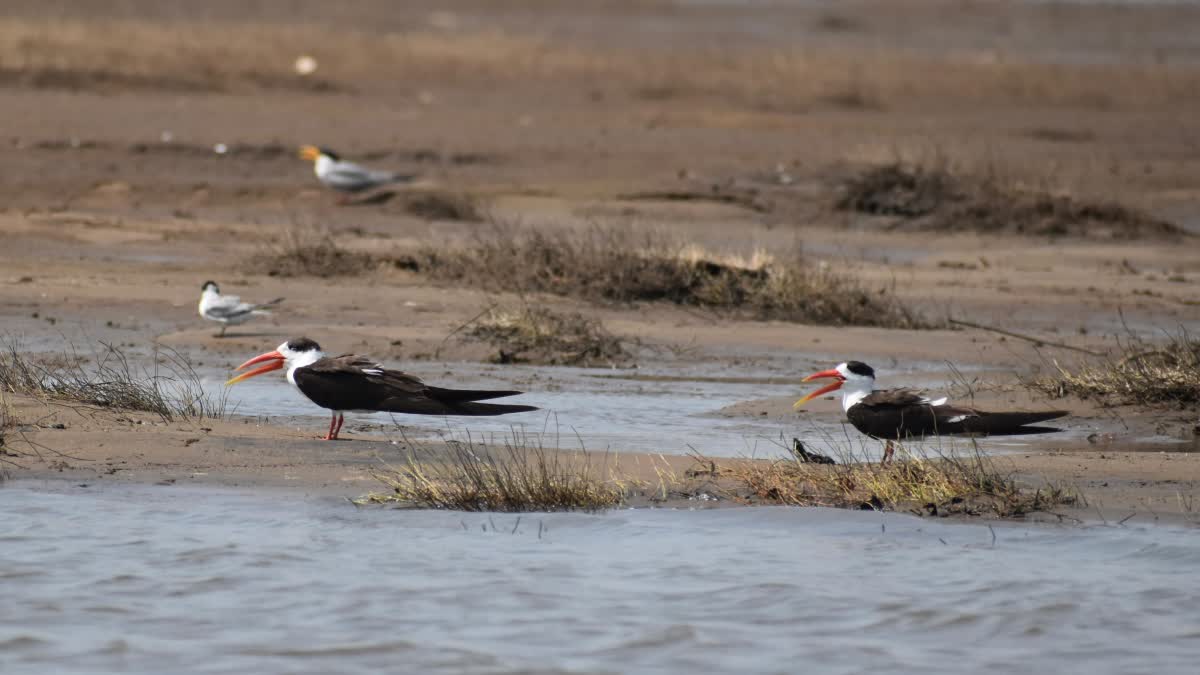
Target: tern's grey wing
[228, 307]
[348, 176]
[229, 312]
[351, 177]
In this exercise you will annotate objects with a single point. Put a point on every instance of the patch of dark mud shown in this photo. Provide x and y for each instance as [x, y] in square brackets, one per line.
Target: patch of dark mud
[98, 80]
[308, 253]
[270, 150]
[924, 199]
[1055, 135]
[747, 199]
[261, 151]
[430, 156]
[109, 81]
[460, 207]
[255, 151]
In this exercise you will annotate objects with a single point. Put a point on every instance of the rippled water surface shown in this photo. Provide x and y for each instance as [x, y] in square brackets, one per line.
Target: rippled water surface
[172, 579]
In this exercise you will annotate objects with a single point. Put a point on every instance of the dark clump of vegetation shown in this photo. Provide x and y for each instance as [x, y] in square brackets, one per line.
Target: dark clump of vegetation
[1142, 373]
[898, 190]
[540, 336]
[935, 199]
[457, 206]
[936, 484]
[308, 253]
[517, 477]
[170, 388]
[620, 265]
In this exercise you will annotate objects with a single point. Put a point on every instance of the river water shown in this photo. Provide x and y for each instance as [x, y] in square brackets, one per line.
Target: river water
[158, 579]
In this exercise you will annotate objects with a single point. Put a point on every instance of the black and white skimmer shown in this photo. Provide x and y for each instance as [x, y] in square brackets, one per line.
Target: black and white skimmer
[896, 414]
[358, 384]
[347, 177]
[229, 310]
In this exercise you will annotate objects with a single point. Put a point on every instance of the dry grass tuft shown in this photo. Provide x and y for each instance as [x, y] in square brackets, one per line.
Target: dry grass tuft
[540, 336]
[611, 264]
[306, 252]
[170, 388]
[456, 206]
[1141, 374]
[933, 198]
[930, 484]
[517, 477]
[940, 484]
[7, 422]
[523, 476]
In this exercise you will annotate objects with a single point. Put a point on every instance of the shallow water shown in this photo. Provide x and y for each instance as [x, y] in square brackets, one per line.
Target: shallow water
[579, 406]
[150, 579]
[674, 412]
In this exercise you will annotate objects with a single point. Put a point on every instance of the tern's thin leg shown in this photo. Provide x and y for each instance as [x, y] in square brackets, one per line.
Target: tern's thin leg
[340, 419]
[332, 421]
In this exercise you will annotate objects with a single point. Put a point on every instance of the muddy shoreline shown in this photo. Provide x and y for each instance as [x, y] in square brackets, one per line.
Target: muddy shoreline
[132, 180]
[87, 446]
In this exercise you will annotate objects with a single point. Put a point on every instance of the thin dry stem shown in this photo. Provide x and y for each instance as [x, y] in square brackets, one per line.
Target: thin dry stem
[1141, 373]
[170, 388]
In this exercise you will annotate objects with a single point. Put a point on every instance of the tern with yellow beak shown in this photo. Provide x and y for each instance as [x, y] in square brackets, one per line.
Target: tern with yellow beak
[352, 383]
[896, 414]
[347, 177]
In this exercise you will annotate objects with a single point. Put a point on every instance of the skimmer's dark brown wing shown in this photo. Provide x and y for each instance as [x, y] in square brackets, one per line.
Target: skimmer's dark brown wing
[352, 382]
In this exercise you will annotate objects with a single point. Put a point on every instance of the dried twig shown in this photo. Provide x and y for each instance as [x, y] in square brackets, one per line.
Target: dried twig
[1028, 338]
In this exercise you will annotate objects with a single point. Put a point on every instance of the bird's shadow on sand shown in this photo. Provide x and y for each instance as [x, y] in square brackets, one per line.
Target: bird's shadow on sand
[1022, 431]
[373, 199]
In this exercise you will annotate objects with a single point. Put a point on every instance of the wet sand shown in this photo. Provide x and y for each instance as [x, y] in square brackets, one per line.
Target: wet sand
[109, 229]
